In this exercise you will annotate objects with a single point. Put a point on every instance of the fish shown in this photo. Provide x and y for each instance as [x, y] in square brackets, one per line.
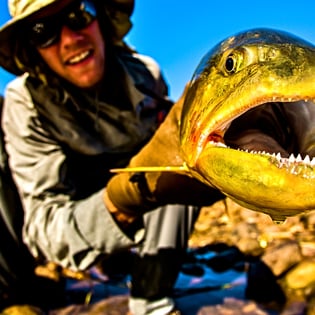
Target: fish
[247, 70]
[237, 77]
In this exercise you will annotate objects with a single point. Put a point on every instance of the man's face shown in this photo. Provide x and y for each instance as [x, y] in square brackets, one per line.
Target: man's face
[68, 38]
[78, 56]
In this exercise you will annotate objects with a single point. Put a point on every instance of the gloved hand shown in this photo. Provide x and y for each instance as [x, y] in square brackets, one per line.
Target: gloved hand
[135, 194]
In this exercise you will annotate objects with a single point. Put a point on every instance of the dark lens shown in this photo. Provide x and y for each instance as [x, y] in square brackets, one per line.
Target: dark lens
[43, 34]
[77, 16]
[81, 16]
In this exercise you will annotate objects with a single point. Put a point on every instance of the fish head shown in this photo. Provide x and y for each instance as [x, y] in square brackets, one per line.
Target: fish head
[250, 69]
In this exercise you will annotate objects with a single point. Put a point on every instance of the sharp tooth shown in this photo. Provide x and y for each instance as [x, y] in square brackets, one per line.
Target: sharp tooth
[299, 158]
[278, 156]
[307, 159]
[291, 158]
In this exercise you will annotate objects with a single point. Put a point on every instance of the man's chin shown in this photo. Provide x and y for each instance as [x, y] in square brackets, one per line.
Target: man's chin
[86, 82]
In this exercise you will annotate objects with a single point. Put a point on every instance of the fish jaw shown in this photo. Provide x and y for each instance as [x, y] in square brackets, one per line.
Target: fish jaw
[239, 74]
[262, 182]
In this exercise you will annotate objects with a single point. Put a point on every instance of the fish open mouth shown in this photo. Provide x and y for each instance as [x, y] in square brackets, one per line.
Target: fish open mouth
[270, 129]
[264, 157]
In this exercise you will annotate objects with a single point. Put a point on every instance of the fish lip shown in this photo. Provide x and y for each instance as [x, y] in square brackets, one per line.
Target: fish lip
[221, 127]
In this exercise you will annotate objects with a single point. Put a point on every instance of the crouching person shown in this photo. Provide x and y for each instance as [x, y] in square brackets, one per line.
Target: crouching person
[83, 103]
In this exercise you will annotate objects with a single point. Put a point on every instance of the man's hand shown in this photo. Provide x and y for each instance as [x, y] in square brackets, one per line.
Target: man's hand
[133, 194]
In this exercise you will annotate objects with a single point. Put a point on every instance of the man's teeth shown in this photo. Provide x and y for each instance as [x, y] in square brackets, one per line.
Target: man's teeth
[79, 57]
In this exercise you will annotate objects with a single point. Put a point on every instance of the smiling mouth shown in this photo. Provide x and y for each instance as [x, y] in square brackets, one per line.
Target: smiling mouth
[80, 57]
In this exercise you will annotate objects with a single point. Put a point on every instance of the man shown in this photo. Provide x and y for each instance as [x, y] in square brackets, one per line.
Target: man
[83, 103]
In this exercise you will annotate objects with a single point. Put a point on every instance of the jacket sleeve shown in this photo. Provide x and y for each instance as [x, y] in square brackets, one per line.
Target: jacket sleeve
[56, 228]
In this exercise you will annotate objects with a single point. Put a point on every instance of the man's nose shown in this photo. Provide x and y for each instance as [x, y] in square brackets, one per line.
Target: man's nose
[67, 35]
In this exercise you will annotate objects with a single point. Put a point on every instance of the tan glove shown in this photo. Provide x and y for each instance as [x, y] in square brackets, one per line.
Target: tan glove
[135, 194]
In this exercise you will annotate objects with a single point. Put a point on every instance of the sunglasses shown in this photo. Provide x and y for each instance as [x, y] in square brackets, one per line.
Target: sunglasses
[46, 32]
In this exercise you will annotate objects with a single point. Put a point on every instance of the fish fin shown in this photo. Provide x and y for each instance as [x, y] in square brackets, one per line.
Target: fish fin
[176, 169]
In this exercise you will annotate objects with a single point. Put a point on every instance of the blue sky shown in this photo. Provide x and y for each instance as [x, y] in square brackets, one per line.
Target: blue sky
[177, 33]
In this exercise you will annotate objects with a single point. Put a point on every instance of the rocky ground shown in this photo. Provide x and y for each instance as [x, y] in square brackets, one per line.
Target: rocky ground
[286, 249]
[278, 260]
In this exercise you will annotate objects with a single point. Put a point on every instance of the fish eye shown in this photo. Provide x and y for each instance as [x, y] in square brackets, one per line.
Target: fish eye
[230, 64]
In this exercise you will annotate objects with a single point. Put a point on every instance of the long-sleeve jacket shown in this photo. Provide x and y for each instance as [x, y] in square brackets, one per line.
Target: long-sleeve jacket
[62, 143]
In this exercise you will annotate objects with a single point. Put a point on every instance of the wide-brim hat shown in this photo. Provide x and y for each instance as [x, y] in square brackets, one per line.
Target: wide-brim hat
[119, 12]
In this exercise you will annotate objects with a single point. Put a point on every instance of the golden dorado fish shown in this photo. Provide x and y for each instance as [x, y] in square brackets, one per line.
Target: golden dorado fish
[260, 67]
[248, 122]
